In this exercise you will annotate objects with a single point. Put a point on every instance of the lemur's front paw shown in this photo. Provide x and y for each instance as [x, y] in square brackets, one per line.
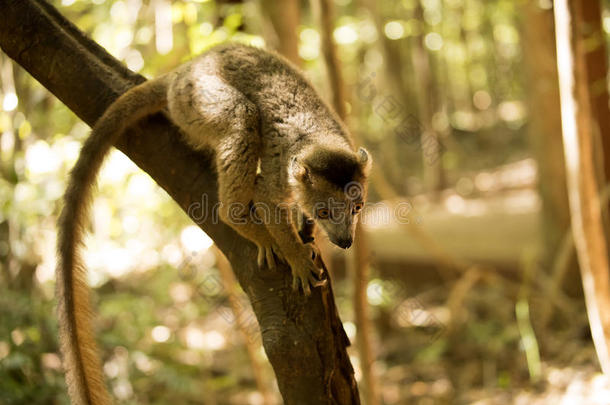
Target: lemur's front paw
[305, 271]
[266, 255]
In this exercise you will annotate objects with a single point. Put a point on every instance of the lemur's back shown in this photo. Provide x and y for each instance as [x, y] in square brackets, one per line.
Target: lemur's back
[287, 104]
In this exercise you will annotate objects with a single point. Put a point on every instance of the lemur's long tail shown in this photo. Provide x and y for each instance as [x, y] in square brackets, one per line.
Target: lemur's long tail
[81, 360]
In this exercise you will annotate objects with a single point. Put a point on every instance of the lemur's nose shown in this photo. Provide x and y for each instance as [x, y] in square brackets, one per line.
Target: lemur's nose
[345, 243]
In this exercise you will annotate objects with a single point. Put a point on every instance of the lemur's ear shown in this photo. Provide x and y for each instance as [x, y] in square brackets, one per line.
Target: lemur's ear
[365, 160]
[297, 171]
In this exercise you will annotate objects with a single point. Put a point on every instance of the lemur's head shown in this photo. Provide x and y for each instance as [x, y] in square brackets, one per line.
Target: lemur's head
[330, 186]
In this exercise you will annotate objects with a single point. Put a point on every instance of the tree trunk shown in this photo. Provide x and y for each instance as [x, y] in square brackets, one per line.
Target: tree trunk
[545, 124]
[303, 336]
[579, 114]
[324, 11]
[593, 39]
[557, 256]
[427, 106]
[284, 17]
[397, 78]
[242, 317]
[361, 250]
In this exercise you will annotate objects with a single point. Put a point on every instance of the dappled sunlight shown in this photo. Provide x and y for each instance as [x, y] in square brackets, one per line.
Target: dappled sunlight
[195, 240]
[10, 101]
[160, 333]
[465, 288]
[199, 339]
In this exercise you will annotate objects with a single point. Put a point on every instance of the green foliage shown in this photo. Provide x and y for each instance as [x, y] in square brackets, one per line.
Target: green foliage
[30, 367]
[161, 329]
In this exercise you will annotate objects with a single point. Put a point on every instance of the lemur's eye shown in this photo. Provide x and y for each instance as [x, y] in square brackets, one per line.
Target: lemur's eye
[357, 208]
[323, 213]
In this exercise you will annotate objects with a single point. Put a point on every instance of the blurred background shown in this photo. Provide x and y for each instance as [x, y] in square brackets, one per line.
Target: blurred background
[464, 287]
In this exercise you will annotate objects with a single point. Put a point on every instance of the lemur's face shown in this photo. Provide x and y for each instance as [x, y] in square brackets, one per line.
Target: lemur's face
[336, 210]
[334, 202]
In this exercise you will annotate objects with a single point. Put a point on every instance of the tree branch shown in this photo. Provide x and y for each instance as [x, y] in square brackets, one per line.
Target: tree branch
[303, 336]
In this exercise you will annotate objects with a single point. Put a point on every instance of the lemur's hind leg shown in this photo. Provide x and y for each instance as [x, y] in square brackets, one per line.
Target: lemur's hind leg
[237, 161]
[213, 113]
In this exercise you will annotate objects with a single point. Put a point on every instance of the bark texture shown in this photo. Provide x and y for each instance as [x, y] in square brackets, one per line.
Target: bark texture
[303, 336]
[580, 112]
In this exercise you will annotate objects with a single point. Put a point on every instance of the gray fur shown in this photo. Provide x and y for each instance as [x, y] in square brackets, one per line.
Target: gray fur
[253, 109]
[250, 105]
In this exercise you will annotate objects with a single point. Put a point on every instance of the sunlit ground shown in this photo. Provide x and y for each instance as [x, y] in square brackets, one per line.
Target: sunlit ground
[165, 323]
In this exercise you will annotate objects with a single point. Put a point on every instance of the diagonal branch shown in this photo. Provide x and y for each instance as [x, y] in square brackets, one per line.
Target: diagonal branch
[303, 336]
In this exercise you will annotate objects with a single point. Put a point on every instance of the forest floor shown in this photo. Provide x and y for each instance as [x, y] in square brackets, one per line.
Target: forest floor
[482, 360]
[562, 386]
[495, 381]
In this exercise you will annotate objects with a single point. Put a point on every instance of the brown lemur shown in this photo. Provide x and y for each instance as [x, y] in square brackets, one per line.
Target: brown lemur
[278, 147]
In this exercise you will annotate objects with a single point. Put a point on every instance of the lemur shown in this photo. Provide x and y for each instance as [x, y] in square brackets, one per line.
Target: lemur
[276, 145]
